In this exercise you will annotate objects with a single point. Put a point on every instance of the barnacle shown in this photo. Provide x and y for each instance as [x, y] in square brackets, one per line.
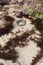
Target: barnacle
[21, 22]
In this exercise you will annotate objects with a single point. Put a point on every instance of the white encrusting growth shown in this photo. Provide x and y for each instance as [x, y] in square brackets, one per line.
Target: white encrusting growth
[27, 53]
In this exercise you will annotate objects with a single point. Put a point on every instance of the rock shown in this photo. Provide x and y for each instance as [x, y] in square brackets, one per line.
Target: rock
[3, 2]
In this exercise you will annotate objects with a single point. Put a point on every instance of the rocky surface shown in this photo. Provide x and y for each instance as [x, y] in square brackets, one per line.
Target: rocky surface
[19, 38]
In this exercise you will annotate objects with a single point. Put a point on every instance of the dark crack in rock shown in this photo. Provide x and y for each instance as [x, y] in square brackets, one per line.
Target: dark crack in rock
[6, 29]
[8, 18]
[21, 14]
[38, 24]
[17, 41]
[4, 2]
[8, 51]
[37, 58]
[8, 25]
[10, 55]
[39, 55]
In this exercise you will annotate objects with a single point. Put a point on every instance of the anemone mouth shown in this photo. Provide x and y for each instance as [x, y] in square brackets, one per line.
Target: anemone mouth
[21, 22]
